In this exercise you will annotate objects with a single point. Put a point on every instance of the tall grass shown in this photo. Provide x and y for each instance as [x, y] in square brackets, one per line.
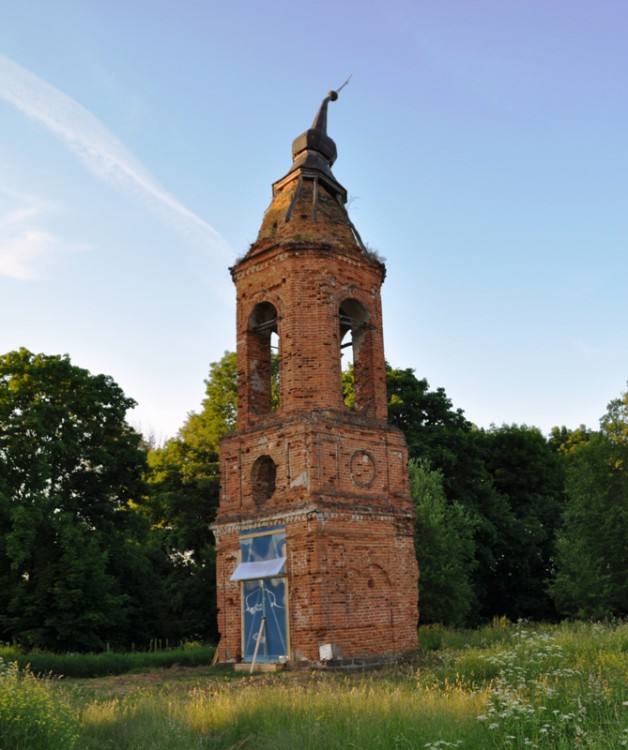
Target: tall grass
[107, 662]
[32, 715]
[326, 713]
[544, 697]
[505, 686]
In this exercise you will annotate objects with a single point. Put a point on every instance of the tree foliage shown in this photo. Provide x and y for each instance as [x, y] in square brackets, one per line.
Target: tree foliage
[440, 435]
[445, 548]
[184, 485]
[219, 414]
[433, 429]
[100, 545]
[592, 554]
[509, 482]
[527, 473]
[70, 467]
[614, 424]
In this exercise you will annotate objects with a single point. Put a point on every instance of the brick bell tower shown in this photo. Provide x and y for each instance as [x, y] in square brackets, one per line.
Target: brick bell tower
[314, 533]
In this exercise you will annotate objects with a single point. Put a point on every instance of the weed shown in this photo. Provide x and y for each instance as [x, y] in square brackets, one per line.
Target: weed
[32, 716]
[538, 700]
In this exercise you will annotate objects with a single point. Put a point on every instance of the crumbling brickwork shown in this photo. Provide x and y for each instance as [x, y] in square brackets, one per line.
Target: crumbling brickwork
[333, 479]
[306, 284]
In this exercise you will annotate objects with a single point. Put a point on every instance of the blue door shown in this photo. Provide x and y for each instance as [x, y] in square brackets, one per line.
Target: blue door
[264, 599]
[264, 602]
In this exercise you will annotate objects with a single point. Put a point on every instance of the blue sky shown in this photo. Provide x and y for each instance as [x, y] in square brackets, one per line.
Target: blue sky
[484, 146]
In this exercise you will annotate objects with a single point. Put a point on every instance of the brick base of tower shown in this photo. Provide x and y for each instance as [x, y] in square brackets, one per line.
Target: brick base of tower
[343, 498]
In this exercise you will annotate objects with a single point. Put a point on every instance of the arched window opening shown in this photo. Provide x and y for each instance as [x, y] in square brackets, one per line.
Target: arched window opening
[263, 359]
[353, 320]
[275, 373]
[263, 477]
[346, 368]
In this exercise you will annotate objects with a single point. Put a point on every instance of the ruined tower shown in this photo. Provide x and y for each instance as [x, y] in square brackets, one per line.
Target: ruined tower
[314, 533]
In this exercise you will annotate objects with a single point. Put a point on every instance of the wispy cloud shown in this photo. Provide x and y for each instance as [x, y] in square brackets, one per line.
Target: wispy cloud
[22, 257]
[103, 154]
[26, 249]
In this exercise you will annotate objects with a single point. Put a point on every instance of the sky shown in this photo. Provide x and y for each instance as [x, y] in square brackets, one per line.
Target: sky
[484, 147]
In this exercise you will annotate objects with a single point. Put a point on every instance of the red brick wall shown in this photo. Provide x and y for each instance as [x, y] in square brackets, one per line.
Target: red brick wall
[307, 284]
[320, 456]
[352, 583]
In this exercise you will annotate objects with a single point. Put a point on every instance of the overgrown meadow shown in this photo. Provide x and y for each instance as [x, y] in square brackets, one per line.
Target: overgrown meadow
[501, 686]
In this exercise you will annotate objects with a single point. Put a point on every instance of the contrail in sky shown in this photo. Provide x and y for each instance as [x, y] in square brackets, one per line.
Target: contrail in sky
[101, 152]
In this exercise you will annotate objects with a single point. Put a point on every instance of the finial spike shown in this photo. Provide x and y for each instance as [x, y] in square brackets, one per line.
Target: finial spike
[340, 88]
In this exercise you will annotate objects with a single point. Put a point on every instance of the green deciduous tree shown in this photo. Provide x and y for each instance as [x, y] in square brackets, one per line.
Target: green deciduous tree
[220, 406]
[70, 467]
[614, 424]
[527, 473]
[591, 578]
[445, 547]
[184, 484]
[564, 441]
[438, 433]
[433, 429]
[182, 500]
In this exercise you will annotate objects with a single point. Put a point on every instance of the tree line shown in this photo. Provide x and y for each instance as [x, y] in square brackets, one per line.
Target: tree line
[105, 540]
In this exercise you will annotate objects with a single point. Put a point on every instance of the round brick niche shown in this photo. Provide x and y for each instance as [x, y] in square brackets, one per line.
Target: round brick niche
[362, 467]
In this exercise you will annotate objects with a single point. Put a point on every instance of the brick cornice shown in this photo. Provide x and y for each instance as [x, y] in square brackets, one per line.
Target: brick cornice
[321, 511]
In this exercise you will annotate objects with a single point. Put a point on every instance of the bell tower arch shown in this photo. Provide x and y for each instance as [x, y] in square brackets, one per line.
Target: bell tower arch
[315, 503]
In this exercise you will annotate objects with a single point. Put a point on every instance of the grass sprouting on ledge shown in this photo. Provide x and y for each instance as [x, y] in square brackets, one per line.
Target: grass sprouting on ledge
[521, 686]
